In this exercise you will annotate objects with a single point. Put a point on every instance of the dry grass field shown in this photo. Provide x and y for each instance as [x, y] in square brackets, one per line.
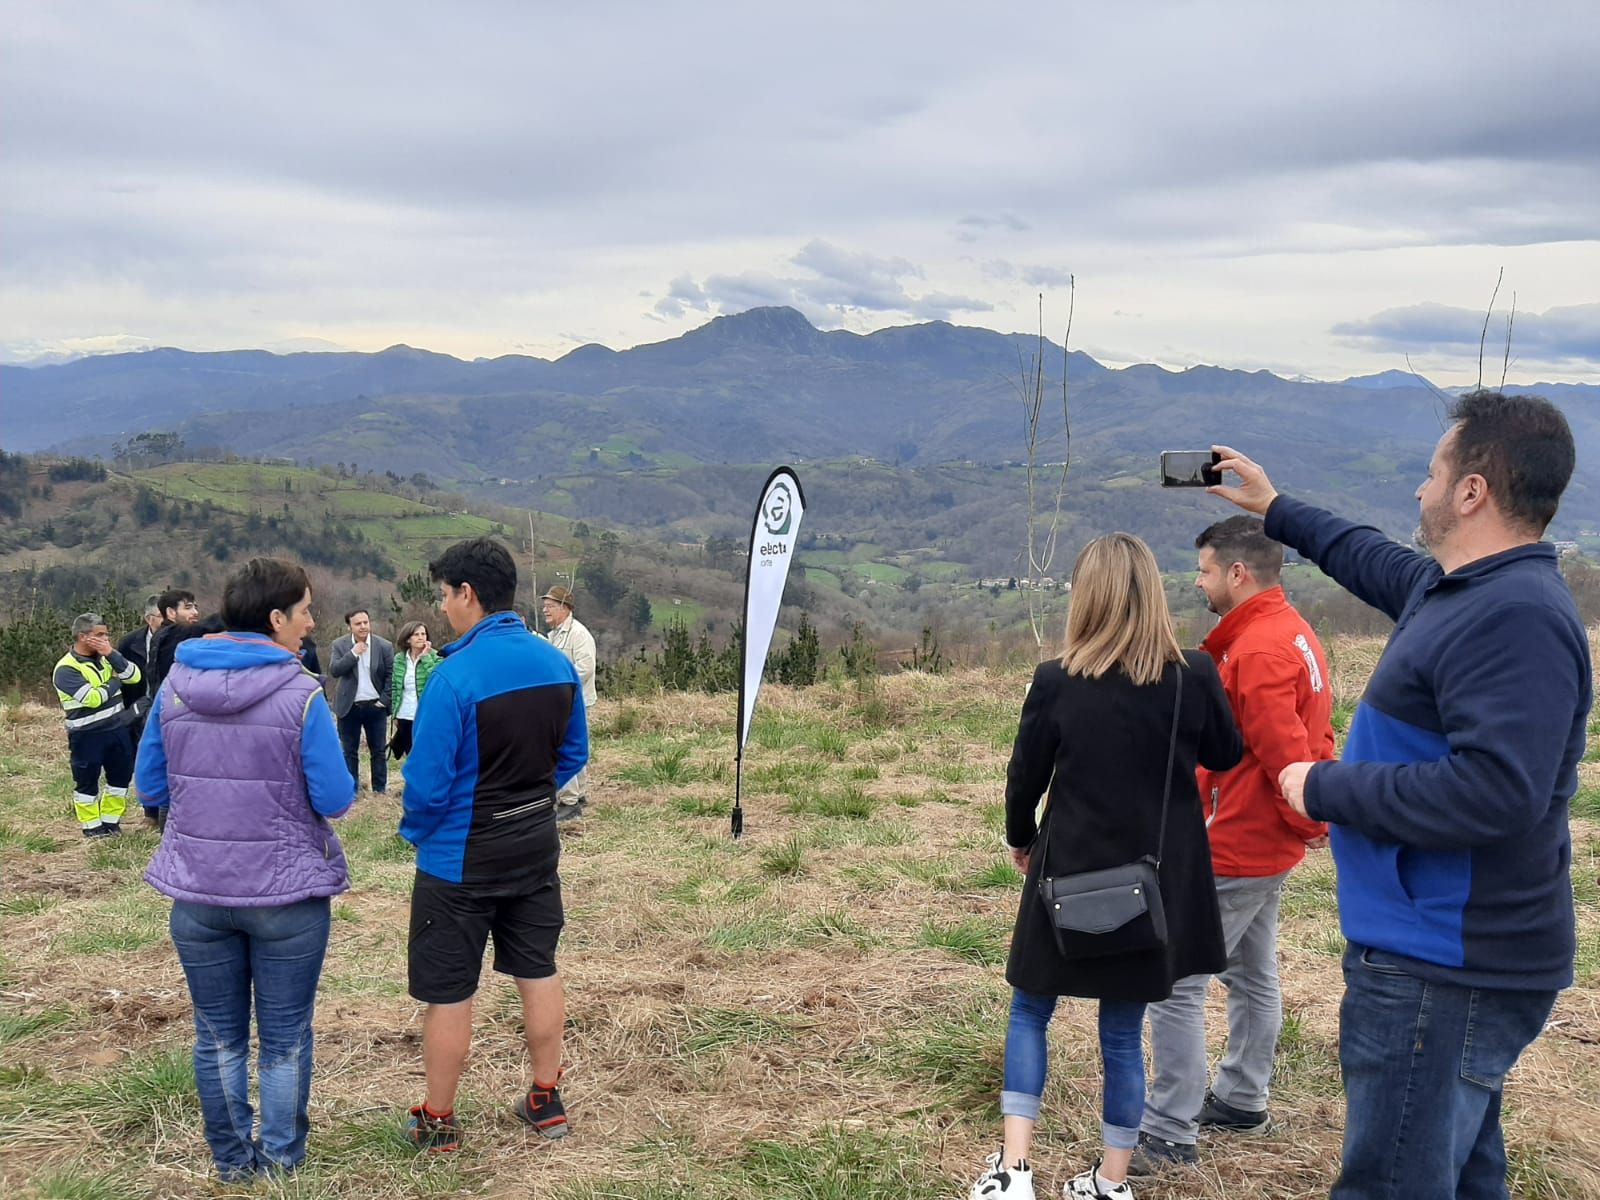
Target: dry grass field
[815, 1012]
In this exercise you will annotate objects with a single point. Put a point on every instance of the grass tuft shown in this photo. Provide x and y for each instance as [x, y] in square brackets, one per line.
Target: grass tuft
[14, 1026]
[668, 767]
[975, 940]
[719, 1028]
[702, 806]
[28, 840]
[960, 1052]
[998, 874]
[26, 905]
[786, 858]
[71, 1184]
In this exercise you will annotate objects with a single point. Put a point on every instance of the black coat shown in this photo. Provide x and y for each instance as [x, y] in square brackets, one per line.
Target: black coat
[308, 655]
[1100, 745]
[133, 648]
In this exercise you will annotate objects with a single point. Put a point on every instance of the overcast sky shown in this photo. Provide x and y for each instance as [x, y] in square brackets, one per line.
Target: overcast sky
[1315, 189]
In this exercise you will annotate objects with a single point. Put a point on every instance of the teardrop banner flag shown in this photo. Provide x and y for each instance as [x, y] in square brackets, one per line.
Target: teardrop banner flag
[773, 534]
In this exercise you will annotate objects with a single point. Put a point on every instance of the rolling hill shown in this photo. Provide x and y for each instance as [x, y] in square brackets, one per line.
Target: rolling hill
[908, 438]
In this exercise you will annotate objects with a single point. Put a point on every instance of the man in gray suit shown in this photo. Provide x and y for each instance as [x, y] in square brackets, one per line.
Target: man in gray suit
[361, 668]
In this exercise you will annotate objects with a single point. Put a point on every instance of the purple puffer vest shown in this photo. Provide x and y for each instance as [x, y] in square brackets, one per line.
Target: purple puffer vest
[241, 831]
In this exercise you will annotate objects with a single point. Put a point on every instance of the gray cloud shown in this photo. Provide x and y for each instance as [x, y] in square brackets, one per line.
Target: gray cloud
[217, 174]
[1562, 335]
[841, 282]
[1046, 276]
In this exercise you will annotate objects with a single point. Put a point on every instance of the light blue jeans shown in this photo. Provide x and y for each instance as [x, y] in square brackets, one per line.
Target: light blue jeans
[1121, 1058]
[273, 956]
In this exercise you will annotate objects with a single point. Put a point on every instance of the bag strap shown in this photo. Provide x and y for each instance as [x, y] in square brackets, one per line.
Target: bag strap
[1166, 791]
[1172, 754]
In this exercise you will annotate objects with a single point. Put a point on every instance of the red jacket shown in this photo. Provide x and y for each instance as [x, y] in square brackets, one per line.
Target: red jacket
[1276, 677]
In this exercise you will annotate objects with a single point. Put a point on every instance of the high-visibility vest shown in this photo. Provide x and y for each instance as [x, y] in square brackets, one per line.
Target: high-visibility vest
[98, 700]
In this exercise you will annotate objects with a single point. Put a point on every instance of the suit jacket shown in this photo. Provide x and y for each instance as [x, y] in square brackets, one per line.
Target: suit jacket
[136, 646]
[342, 669]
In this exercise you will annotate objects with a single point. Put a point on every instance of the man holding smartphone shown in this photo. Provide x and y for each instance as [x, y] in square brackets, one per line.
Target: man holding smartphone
[1449, 809]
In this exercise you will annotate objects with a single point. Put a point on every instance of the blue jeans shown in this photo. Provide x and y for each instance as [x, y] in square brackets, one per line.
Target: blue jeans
[226, 954]
[1121, 1059]
[1423, 1065]
[374, 720]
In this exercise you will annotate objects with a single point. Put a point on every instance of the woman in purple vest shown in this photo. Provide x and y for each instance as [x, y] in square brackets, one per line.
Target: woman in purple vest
[241, 748]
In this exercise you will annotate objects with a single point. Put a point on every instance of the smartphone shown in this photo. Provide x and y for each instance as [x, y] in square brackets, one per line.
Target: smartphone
[1190, 468]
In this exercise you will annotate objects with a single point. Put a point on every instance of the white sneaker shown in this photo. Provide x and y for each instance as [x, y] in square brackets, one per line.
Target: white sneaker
[1003, 1183]
[1087, 1187]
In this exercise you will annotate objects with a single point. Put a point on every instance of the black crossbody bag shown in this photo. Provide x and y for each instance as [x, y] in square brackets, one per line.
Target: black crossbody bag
[1117, 910]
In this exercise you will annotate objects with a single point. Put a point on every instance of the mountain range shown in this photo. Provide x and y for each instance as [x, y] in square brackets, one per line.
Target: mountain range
[667, 434]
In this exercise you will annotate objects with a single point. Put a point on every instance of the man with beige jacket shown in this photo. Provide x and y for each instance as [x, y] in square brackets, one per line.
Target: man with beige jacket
[569, 635]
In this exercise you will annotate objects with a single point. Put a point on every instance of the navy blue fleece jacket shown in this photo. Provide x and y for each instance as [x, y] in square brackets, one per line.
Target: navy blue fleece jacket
[1449, 804]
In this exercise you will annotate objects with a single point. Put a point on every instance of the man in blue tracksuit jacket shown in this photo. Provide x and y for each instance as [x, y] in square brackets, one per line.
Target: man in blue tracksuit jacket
[500, 728]
[1448, 809]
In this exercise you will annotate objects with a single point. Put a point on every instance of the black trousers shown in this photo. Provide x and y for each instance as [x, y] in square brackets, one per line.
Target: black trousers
[400, 743]
[373, 719]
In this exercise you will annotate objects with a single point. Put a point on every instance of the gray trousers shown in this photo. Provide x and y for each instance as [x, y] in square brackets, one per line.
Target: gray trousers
[1255, 1015]
[577, 789]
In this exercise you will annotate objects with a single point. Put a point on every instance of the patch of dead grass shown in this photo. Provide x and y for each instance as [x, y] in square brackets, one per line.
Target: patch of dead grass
[732, 1024]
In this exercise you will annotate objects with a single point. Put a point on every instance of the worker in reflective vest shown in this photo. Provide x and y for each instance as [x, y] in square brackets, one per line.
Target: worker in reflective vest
[88, 681]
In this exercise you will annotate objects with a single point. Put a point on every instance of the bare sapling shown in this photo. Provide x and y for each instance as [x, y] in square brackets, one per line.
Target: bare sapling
[1046, 481]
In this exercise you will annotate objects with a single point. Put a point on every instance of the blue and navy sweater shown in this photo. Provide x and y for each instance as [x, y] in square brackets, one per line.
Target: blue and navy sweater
[1449, 804]
[500, 728]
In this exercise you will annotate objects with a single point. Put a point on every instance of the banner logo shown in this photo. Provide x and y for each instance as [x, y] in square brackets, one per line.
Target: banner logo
[779, 510]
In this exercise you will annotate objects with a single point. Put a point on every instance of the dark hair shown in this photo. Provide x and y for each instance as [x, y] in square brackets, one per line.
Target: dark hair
[1521, 445]
[403, 641]
[354, 612]
[1244, 540]
[484, 563]
[259, 587]
[171, 598]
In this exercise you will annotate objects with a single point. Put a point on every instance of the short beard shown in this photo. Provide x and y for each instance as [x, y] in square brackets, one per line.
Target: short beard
[1419, 539]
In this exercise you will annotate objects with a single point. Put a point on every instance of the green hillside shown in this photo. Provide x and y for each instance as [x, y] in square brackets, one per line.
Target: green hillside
[405, 530]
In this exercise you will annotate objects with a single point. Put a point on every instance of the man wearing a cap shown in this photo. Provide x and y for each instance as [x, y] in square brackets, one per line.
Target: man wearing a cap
[572, 638]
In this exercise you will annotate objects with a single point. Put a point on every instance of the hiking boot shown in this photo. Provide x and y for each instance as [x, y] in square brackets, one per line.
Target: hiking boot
[1088, 1187]
[1225, 1118]
[1154, 1155]
[1003, 1183]
[541, 1107]
[436, 1135]
[571, 812]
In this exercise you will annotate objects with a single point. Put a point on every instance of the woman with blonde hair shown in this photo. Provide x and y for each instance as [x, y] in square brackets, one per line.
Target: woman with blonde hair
[1113, 729]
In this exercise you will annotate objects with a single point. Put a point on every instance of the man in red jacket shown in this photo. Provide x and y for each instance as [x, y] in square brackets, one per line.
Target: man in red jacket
[1276, 677]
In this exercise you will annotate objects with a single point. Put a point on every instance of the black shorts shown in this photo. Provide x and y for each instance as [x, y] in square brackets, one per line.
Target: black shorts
[451, 922]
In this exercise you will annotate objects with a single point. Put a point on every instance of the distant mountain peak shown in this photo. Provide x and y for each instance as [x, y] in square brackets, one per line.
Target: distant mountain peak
[774, 325]
[1386, 379]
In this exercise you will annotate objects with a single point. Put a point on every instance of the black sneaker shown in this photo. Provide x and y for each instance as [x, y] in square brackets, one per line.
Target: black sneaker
[436, 1135]
[541, 1107]
[1225, 1118]
[111, 828]
[571, 812]
[98, 831]
[1154, 1155]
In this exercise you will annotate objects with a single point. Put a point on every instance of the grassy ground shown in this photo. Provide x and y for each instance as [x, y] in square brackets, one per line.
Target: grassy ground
[816, 1012]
